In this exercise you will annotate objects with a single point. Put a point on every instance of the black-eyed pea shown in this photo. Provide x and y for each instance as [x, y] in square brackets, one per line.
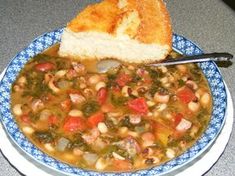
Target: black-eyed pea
[161, 98]
[52, 86]
[150, 103]
[18, 88]
[135, 93]
[22, 81]
[88, 92]
[82, 85]
[152, 160]
[163, 69]
[100, 85]
[164, 80]
[75, 113]
[192, 84]
[17, 109]
[28, 130]
[161, 107]
[170, 153]
[126, 91]
[117, 156]
[101, 164]
[193, 106]
[182, 68]
[94, 79]
[135, 119]
[77, 151]
[49, 147]
[205, 99]
[102, 127]
[171, 78]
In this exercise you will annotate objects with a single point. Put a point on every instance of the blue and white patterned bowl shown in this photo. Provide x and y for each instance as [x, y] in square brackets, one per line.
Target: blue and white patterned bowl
[180, 44]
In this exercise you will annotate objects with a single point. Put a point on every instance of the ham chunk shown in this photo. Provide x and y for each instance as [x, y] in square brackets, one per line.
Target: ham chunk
[183, 125]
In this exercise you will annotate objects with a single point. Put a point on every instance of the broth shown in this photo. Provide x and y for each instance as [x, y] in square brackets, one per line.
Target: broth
[133, 117]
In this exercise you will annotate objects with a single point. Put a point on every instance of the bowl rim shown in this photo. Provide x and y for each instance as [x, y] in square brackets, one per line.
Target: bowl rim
[180, 44]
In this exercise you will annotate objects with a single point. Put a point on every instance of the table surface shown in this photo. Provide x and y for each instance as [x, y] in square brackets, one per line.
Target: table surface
[209, 23]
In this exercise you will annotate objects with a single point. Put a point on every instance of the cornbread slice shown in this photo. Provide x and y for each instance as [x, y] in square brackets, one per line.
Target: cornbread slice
[135, 31]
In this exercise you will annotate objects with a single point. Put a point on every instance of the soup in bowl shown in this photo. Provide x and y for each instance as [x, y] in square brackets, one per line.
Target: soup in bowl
[130, 118]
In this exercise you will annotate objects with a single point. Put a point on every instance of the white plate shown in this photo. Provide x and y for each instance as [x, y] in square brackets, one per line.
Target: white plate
[180, 44]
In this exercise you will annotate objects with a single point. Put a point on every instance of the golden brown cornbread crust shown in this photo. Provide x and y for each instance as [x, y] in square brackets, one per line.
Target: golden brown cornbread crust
[106, 16]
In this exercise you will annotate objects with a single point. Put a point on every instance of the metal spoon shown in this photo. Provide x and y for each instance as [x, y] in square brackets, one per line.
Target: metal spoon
[104, 65]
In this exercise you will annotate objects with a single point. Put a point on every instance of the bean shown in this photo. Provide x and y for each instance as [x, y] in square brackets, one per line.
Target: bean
[17, 110]
[101, 164]
[75, 113]
[100, 85]
[205, 99]
[161, 98]
[49, 147]
[94, 79]
[102, 127]
[28, 130]
[193, 106]
[170, 153]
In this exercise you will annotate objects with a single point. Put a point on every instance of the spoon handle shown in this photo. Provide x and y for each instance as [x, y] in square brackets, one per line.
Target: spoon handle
[217, 57]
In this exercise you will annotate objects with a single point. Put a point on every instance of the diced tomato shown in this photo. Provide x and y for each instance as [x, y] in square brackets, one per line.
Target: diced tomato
[138, 105]
[25, 118]
[96, 118]
[45, 67]
[176, 119]
[74, 124]
[121, 165]
[123, 79]
[102, 95]
[185, 95]
[66, 105]
[52, 120]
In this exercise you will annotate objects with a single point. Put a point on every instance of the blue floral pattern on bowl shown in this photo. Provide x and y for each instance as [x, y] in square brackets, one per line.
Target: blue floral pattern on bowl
[180, 44]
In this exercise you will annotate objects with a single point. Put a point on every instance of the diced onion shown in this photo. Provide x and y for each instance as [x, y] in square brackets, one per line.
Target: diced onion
[90, 158]
[61, 144]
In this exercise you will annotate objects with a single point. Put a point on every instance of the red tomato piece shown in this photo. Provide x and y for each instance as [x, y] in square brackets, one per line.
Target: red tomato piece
[138, 105]
[102, 95]
[176, 119]
[186, 95]
[74, 124]
[66, 105]
[123, 79]
[45, 67]
[96, 118]
[52, 120]
[25, 118]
